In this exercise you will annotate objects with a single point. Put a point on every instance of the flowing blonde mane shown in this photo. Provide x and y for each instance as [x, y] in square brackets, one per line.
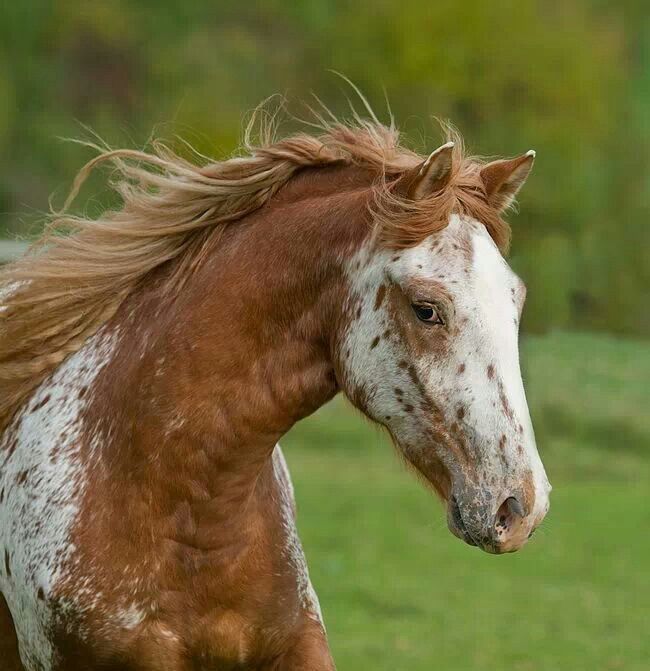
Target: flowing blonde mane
[78, 273]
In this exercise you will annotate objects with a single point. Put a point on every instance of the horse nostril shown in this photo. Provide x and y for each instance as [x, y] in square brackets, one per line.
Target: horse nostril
[510, 512]
[514, 506]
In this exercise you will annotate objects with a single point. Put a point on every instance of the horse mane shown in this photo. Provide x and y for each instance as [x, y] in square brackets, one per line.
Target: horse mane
[76, 276]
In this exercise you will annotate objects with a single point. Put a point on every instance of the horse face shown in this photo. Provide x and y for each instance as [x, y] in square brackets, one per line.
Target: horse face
[432, 354]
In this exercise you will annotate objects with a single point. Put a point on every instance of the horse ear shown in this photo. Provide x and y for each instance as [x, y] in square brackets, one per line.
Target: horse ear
[429, 176]
[503, 179]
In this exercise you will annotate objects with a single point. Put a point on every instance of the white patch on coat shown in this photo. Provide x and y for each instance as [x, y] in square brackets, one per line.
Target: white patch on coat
[42, 481]
[130, 617]
[293, 550]
[484, 293]
[366, 272]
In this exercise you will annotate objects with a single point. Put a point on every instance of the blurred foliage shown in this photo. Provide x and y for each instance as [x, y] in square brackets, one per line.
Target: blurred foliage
[570, 78]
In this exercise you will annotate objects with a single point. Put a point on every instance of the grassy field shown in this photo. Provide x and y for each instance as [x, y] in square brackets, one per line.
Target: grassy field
[399, 592]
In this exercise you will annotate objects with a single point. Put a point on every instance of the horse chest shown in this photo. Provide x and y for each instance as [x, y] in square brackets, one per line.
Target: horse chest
[42, 479]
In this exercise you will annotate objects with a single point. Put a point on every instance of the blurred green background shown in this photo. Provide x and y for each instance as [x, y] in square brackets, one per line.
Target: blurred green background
[569, 78]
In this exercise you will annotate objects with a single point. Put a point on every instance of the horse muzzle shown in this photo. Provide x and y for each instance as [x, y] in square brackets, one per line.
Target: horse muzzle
[507, 530]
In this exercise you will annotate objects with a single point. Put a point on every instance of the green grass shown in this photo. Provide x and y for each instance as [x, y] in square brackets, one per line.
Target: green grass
[399, 592]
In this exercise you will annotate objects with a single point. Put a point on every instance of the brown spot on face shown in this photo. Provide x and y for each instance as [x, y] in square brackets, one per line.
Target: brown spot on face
[82, 392]
[520, 450]
[398, 392]
[395, 258]
[490, 371]
[40, 594]
[403, 364]
[460, 413]
[426, 401]
[528, 491]
[358, 312]
[41, 403]
[7, 564]
[461, 369]
[413, 375]
[386, 334]
[502, 441]
[375, 342]
[408, 407]
[21, 477]
[504, 402]
[12, 446]
[379, 298]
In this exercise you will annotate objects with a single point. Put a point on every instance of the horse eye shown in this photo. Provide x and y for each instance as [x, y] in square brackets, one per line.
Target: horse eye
[427, 313]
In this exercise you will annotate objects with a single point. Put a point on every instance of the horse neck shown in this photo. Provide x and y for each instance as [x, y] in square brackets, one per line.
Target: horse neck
[245, 350]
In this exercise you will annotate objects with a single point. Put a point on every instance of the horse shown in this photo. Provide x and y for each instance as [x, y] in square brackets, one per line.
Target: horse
[152, 358]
